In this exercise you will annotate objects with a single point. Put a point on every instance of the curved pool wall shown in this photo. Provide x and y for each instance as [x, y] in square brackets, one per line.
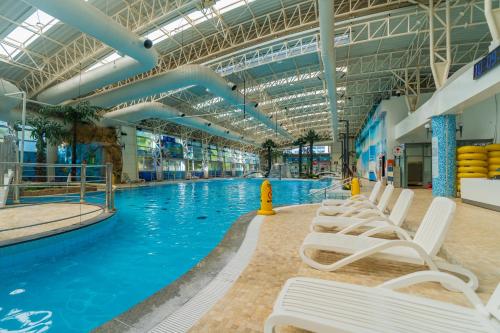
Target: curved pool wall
[76, 281]
[52, 247]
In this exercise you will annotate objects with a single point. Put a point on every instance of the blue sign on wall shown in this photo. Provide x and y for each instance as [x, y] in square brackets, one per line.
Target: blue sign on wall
[486, 64]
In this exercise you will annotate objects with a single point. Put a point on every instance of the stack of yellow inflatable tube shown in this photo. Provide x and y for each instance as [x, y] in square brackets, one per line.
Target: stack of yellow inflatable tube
[493, 159]
[472, 162]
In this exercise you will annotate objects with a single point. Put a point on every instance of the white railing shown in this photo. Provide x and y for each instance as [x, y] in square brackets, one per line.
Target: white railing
[330, 188]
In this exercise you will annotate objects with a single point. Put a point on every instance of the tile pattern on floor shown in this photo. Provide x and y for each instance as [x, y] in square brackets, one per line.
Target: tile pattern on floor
[472, 241]
[24, 218]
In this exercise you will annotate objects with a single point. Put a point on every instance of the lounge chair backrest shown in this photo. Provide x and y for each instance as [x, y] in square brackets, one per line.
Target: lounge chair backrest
[384, 199]
[375, 191]
[493, 305]
[401, 207]
[432, 230]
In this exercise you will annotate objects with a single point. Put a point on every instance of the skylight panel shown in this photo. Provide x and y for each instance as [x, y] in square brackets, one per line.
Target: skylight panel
[199, 16]
[176, 26]
[110, 58]
[29, 30]
[226, 5]
[170, 29]
[157, 35]
[41, 20]
[7, 50]
[209, 102]
[307, 106]
[342, 40]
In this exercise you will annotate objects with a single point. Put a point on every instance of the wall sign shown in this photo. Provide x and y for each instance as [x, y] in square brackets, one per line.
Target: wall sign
[486, 64]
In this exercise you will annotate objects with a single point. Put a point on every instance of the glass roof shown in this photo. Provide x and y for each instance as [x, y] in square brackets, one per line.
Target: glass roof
[27, 32]
[110, 58]
[182, 23]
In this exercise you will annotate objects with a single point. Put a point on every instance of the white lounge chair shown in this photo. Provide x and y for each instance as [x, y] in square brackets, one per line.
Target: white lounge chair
[355, 198]
[329, 306]
[358, 206]
[373, 219]
[420, 250]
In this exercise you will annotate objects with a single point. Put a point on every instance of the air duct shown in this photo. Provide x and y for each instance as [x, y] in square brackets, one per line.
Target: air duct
[7, 103]
[327, 38]
[141, 111]
[178, 78]
[92, 21]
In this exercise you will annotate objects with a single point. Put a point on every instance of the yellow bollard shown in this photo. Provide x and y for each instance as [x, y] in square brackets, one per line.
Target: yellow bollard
[355, 187]
[266, 199]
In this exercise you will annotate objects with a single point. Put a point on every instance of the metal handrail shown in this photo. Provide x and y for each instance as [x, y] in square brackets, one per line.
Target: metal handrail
[251, 173]
[327, 173]
[331, 187]
[101, 183]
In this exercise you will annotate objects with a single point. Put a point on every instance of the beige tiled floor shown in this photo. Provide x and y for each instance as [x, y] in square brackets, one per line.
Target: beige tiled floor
[472, 240]
[27, 216]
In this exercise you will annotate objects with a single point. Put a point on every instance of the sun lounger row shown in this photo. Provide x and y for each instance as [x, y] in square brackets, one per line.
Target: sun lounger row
[329, 306]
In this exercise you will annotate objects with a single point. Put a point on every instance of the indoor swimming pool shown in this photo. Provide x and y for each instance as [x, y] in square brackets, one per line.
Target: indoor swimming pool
[78, 281]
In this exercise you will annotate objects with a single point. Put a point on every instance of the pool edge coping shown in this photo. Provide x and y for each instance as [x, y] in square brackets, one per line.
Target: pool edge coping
[177, 312]
[61, 230]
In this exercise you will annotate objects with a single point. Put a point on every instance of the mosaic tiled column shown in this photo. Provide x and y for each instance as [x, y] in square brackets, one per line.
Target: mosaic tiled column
[443, 155]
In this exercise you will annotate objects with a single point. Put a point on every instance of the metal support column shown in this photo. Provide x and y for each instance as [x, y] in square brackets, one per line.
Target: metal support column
[110, 204]
[18, 180]
[83, 179]
[345, 150]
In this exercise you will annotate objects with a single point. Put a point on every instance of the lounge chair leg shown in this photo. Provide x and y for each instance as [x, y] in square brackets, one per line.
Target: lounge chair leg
[270, 325]
[472, 280]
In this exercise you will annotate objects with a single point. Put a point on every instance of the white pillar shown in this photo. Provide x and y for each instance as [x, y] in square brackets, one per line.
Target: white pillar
[493, 20]
[128, 139]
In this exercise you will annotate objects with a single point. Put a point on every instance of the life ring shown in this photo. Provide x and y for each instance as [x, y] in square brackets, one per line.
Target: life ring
[472, 156]
[494, 153]
[467, 163]
[493, 147]
[473, 169]
[494, 160]
[471, 149]
[493, 167]
[471, 175]
[492, 174]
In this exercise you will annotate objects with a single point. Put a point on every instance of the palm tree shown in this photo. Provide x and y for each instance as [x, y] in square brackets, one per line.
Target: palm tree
[45, 130]
[82, 113]
[310, 137]
[269, 145]
[300, 142]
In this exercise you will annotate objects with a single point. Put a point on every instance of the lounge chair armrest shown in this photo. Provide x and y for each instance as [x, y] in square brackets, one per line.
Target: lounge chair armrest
[350, 212]
[402, 234]
[354, 209]
[360, 224]
[368, 213]
[444, 279]
[365, 203]
[424, 256]
[357, 197]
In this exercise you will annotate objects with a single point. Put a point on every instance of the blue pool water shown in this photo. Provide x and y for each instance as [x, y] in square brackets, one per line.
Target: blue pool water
[77, 281]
